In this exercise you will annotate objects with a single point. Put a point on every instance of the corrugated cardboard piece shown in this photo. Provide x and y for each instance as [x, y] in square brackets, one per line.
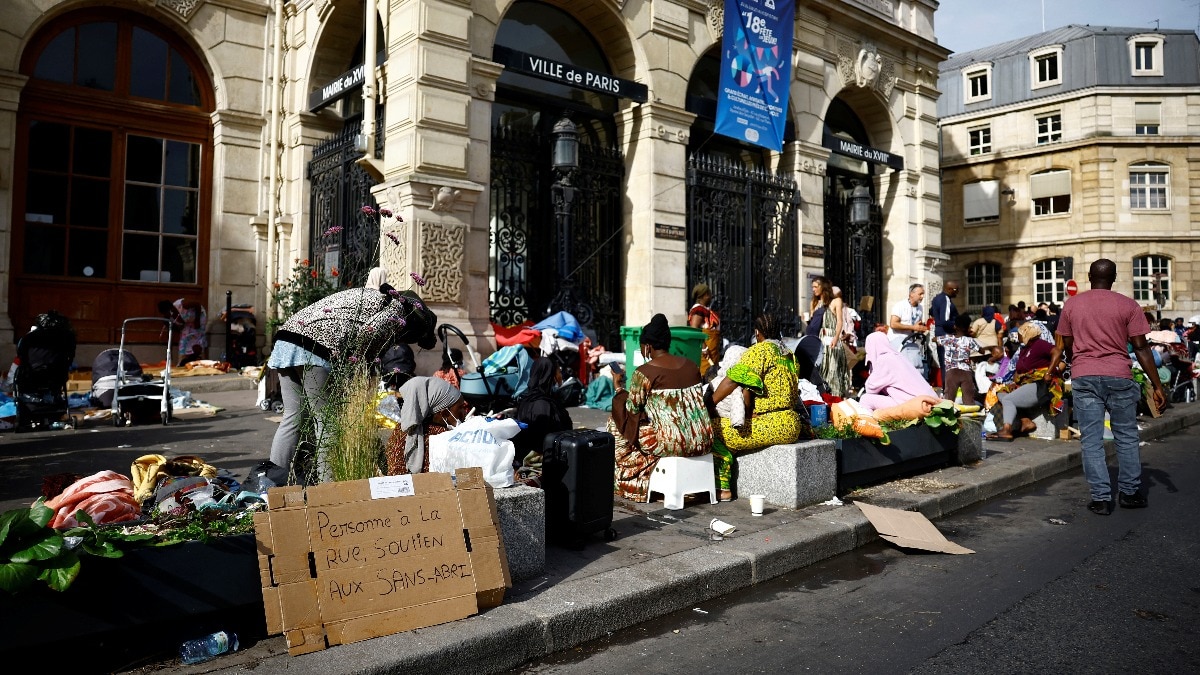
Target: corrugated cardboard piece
[343, 562]
[909, 529]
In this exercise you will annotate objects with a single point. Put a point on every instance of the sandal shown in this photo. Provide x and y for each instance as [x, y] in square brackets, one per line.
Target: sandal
[999, 439]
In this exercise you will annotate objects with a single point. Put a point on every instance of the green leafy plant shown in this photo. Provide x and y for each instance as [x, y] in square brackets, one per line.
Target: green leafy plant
[944, 415]
[30, 550]
[830, 431]
[307, 285]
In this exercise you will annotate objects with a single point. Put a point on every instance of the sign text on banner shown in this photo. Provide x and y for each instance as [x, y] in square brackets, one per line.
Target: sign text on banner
[756, 70]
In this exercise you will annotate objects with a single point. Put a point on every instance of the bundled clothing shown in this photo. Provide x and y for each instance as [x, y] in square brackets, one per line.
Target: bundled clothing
[542, 413]
[959, 372]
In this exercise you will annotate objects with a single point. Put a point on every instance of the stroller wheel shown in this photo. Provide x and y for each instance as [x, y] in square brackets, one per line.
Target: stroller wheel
[264, 405]
[277, 407]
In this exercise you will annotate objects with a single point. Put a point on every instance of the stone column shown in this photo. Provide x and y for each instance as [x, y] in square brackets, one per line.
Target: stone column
[655, 137]
[11, 85]
[809, 169]
[434, 170]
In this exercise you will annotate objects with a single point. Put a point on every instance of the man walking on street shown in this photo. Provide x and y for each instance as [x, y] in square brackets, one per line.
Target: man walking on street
[944, 315]
[906, 329]
[1095, 327]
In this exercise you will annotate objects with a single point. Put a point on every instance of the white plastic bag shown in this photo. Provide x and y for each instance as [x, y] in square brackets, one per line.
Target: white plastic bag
[477, 442]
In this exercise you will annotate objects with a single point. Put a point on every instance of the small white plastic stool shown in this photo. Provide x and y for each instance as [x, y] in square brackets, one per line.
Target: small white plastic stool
[674, 477]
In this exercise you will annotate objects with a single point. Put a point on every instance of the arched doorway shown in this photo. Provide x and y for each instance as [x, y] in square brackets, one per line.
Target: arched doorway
[853, 248]
[113, 174]
[523, 279]
[742, 230]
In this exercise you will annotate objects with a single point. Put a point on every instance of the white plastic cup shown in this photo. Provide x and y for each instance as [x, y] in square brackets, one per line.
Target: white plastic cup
[756, 504]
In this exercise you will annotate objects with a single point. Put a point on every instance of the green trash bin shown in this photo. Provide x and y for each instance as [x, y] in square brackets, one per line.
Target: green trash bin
[685, 341]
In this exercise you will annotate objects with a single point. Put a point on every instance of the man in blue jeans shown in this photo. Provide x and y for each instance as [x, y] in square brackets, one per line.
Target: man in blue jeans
[1096, 327]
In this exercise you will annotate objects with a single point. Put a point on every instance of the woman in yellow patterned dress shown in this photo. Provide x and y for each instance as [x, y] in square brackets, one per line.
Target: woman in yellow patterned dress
[767, 375]
[662, 414]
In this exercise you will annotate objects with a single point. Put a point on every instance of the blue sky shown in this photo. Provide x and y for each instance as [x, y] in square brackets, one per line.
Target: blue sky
[963, 25]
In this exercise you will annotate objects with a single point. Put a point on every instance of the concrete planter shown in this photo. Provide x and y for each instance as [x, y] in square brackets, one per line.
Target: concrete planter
[918, 448]
[124, 611]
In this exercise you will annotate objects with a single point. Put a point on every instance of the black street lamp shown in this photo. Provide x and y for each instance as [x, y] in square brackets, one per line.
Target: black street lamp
[860, 221]
[565, 160]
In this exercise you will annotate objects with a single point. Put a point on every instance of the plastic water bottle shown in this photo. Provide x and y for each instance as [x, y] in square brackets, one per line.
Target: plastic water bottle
[207, 647]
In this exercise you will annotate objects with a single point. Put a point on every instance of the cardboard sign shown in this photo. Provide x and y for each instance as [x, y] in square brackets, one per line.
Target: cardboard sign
[343, 562]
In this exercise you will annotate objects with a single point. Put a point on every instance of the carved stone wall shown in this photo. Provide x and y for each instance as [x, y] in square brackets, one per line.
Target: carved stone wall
[442, 255]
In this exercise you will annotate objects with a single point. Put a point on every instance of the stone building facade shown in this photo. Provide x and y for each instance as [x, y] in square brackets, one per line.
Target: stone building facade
[1068, 146]
[457, 141]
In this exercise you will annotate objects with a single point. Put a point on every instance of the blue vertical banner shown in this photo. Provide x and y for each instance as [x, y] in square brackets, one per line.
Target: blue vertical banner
[756, 71]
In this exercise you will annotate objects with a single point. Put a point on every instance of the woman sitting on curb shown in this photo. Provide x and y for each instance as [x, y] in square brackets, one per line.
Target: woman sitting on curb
[661, 414]
[767, 373]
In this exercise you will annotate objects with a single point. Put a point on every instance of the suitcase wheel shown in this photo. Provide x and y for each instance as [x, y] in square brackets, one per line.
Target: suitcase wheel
[610, 534]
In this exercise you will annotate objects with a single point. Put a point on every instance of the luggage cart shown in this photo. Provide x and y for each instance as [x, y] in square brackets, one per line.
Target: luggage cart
[142, 392]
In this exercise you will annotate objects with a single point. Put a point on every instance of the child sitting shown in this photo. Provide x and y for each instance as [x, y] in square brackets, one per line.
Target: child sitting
[451, 371]
[959, 373]
[733, 406]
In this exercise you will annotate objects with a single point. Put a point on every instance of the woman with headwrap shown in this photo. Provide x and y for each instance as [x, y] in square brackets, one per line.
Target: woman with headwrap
[543, 413]
[767, 374]
[893, 380]
[431, 407]
[986, 329]
[1028, 390]
[661, 414]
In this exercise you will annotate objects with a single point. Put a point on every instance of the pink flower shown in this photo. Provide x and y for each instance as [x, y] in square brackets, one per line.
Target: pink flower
[327, 310]
[353, 359]
[393, 237]
[386, 213]
[332, 231]
[417, 304]
[369, 210]
[417, 278]
[401, 322]
[393, 292]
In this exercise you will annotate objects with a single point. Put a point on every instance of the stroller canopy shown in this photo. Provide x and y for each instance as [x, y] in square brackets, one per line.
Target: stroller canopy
[105, 365]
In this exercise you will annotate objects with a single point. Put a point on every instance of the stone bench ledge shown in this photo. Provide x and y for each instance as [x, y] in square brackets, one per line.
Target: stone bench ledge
[793, 476]
[522, 516]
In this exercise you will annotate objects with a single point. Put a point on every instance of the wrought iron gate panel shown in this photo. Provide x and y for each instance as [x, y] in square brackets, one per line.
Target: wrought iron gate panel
[523, 276]
[339, 188]
[742, 242]
[841, 241]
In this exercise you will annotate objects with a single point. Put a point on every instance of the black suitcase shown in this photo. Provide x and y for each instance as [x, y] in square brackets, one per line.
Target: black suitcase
[577, 477]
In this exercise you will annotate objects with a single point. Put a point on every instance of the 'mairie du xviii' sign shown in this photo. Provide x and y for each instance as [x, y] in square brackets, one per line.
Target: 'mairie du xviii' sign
[756, 70]
[849, 148]
[570, 75]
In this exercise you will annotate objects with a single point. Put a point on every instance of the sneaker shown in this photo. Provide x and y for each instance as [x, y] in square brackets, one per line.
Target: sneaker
[1133, 501]
[1100, 508]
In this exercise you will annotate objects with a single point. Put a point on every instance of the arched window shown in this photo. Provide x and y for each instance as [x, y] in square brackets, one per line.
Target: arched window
[983, 287]
[1050, 281]
[1151, 277]
[113, 169]
[1148, 185]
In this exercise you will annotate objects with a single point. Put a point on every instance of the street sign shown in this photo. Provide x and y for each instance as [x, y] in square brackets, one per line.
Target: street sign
[1072, 288]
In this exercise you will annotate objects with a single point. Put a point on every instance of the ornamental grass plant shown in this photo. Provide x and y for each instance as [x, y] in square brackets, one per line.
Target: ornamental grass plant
[352, 433]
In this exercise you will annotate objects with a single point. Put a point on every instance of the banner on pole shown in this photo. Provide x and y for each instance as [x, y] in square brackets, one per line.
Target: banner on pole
[756, 71]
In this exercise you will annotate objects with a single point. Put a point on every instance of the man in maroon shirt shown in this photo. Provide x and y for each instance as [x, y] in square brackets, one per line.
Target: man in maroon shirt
[1096, 327]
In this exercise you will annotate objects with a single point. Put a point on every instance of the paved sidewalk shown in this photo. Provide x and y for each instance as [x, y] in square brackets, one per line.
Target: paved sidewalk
[664, 561]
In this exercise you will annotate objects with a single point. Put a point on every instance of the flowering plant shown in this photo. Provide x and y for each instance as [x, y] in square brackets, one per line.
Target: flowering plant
[307, 285]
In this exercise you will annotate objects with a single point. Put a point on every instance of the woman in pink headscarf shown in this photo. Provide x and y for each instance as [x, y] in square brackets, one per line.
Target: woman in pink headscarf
[893, 380]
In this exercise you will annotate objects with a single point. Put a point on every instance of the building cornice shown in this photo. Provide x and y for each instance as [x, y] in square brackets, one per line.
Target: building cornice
[1073, 95]
[1070, 146]
[1100, 237]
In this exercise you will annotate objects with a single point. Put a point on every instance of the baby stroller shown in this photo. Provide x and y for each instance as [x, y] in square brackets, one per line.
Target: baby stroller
[44, 362]
[242, 343]
[119, 383]
[494, 384]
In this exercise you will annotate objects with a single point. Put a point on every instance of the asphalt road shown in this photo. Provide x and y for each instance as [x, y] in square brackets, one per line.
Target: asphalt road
[237, 438]
[1051, 588]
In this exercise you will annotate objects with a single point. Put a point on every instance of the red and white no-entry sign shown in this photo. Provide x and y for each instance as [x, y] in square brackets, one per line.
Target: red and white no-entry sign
[1072, 288]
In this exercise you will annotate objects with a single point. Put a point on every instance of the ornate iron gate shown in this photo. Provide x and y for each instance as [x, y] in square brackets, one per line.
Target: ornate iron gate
[854, 257]
[742, 242]
[523, 276]
[339, 189]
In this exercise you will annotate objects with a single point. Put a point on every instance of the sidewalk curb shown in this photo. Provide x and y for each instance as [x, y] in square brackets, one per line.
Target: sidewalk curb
[577, 611]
